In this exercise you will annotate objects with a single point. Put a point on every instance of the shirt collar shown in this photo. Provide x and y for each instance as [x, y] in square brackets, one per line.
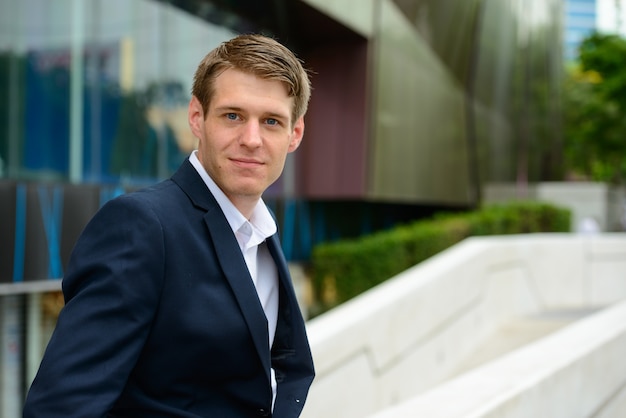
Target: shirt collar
[261, 222]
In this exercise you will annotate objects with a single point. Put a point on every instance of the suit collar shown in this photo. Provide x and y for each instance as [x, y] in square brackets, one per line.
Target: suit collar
[192, 184]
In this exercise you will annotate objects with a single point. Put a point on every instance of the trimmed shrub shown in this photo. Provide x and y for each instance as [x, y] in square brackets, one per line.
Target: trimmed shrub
[343, 269]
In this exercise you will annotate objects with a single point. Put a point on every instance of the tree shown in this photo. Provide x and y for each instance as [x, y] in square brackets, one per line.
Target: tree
[595, 110]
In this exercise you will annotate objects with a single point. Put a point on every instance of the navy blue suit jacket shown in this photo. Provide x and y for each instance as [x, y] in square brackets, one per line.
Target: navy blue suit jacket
[162, 318]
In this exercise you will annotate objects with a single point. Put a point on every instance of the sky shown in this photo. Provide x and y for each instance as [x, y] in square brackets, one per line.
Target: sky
[611, 16]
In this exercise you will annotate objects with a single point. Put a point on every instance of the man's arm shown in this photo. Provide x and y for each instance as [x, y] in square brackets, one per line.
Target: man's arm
[111, 289]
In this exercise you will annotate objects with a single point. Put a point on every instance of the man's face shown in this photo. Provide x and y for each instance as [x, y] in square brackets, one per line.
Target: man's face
[246, 135]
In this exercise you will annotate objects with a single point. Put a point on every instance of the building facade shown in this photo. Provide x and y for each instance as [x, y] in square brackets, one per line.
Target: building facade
[416, 105]
[612, 16]
[581, 17]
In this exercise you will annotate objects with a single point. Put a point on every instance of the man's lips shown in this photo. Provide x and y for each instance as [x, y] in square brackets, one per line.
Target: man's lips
[246, 162]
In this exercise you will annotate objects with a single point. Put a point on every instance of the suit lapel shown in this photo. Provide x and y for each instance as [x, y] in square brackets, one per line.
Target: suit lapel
[234, 268]
[229, 257]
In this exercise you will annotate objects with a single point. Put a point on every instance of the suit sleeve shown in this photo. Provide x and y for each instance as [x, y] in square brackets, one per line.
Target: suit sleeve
[111, 290]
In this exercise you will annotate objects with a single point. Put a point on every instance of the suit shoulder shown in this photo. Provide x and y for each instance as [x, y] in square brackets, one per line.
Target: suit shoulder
[152, 197]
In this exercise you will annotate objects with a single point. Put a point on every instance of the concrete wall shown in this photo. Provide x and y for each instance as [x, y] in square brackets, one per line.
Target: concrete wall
[414, 332]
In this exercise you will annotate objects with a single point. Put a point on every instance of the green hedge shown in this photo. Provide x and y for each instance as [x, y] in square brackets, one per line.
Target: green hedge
[343, 269]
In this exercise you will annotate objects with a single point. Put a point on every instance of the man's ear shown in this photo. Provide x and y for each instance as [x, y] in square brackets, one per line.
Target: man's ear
[195, 117]
[296, 135]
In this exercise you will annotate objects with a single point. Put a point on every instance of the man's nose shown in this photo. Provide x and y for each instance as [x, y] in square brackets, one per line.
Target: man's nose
[251, 135]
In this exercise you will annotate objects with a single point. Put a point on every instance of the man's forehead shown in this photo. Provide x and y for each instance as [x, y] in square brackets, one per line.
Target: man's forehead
[237, 89]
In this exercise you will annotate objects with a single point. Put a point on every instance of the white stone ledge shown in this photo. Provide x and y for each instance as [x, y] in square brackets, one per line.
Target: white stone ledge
[575, 372]
[416, 330]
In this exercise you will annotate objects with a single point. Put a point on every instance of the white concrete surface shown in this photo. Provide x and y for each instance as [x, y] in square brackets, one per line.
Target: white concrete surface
[572, 373]
[423, 327]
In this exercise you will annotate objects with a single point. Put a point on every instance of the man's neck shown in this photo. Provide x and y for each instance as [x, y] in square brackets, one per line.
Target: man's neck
[244, 204]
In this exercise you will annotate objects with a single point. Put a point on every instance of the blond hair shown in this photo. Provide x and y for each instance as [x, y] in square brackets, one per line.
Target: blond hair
[259, 55]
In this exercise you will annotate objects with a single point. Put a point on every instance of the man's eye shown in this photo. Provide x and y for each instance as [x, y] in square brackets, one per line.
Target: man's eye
[231, 116]
[271, 121]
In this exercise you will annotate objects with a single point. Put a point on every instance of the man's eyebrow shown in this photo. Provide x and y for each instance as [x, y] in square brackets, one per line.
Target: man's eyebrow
[229, 108]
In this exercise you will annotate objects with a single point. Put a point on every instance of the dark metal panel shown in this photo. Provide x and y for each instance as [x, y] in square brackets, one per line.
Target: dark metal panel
[332, 158]
[7, 229]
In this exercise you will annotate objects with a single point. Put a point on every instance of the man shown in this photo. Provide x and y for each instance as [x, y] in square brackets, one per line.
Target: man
[178, 298]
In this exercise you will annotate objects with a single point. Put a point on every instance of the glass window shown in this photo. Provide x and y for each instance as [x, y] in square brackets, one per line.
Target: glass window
[97, 90]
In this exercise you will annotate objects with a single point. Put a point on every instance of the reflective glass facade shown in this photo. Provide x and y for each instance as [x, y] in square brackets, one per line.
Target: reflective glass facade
[416, 105]
[97, 90]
